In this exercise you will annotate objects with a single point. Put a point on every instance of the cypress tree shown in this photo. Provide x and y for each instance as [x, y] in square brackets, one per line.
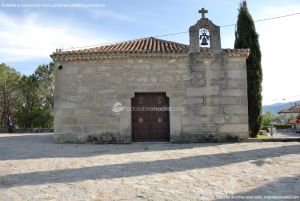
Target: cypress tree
[246, 37]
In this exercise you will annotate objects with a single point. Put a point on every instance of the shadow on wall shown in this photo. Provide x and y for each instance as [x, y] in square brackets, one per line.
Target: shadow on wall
[143, 168]
[285, 186]
[42, 146]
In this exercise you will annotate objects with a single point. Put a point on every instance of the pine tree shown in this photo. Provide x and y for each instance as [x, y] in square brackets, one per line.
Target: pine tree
[246, 37]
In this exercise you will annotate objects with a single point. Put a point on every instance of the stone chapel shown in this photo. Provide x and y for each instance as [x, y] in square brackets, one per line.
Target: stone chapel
[152, 90]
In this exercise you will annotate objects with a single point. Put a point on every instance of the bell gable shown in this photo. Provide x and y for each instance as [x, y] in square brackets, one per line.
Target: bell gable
[204, 34]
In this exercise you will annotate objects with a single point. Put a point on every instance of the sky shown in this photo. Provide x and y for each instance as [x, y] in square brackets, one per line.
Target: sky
[30, 31]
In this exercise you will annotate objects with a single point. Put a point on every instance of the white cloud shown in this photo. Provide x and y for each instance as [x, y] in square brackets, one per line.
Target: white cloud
[36, 36]
[106, 13]
[280, 43]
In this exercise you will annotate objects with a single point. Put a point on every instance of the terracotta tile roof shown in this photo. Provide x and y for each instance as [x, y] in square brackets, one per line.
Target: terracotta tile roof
[294, 109]
[144, 45]
[149, 47]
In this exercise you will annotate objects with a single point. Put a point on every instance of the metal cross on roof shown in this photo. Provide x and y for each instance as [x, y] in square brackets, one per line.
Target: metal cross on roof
[203, 11]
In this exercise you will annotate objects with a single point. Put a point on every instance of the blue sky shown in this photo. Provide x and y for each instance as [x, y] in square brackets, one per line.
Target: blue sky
[29, 35]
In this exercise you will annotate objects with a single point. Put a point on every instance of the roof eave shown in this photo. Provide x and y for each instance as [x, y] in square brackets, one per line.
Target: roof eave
[95, 56]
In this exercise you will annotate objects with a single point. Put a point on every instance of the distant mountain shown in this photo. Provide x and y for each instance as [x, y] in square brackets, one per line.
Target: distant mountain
[276, 107]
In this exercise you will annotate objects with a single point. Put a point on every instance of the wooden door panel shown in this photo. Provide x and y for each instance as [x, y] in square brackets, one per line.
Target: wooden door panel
[150, 125]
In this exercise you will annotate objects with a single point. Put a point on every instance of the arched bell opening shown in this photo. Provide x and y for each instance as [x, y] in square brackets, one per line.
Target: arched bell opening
[204, 38]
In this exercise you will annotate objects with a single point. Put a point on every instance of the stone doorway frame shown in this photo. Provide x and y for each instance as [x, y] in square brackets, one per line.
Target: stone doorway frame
[175, 117]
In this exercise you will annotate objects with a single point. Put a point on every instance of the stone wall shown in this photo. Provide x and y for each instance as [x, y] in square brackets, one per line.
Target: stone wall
[216, 107]
[210, 86]
[86, 92]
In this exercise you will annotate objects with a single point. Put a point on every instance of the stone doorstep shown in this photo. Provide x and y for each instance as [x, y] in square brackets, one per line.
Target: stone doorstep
[148, 143]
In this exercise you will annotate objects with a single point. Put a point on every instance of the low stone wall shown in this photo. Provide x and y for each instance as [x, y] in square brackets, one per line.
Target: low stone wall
[286, 130]
[103, 138]
[204, 138]
[28, 130]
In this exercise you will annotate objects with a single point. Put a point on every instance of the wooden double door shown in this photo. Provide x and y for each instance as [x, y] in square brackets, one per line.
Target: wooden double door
[150, 117]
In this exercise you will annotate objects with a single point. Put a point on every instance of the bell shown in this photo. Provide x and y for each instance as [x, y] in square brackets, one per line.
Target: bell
[204, 41]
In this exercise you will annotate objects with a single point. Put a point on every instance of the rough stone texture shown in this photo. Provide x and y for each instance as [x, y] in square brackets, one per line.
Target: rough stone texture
[223, 112]
[143, 171]
[208, 84]
[205, 87]
[84, 97]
